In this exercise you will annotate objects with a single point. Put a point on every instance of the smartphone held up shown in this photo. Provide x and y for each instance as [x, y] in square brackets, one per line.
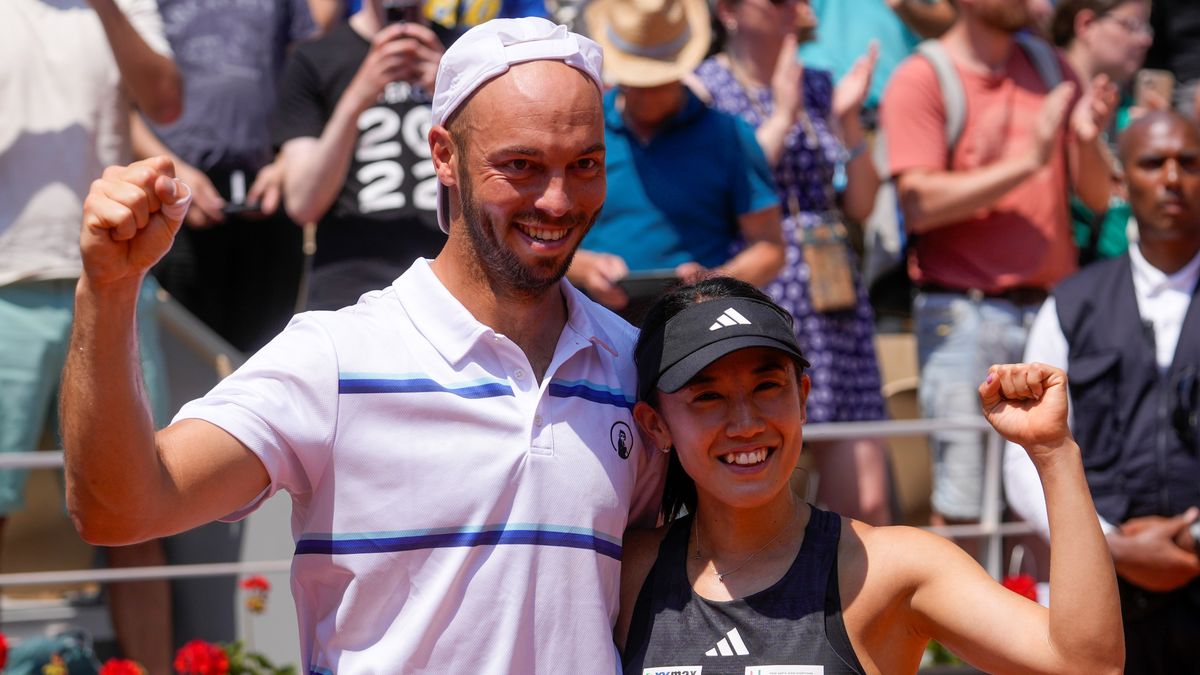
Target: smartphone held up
[401, 11]
[1154, 89]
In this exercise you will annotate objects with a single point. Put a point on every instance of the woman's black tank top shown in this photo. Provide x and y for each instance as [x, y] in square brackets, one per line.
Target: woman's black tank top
[792, 628]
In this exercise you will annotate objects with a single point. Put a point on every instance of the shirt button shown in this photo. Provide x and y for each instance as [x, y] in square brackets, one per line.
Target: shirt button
[537, 421]
[519, 374]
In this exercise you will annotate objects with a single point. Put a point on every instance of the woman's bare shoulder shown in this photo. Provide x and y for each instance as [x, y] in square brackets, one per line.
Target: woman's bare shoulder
[897, 555]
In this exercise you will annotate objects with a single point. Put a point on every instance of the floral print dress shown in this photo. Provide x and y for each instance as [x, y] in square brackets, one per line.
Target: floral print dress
[840, 345]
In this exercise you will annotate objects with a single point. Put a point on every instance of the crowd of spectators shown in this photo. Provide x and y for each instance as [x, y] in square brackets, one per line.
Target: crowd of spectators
[753, 138]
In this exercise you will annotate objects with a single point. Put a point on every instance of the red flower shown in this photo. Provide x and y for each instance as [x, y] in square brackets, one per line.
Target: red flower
[257, 586]
[121, 667]
[256, 583]
[201, 658]
[1022, 584]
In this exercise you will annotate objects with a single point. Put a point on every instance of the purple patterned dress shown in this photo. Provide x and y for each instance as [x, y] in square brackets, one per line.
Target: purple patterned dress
[840, 345]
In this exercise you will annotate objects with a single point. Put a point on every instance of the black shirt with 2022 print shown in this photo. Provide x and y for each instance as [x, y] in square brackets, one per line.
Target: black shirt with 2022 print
[385, 215]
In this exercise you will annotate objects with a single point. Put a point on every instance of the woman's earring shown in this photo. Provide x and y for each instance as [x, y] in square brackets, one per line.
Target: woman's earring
[666, 450]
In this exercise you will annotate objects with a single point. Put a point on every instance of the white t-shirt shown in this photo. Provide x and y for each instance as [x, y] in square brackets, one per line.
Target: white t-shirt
[451, 513]
[64, 117]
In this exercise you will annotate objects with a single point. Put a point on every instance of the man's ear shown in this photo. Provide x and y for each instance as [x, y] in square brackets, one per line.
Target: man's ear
[1083, 19]
[653, 426]
[444, 154]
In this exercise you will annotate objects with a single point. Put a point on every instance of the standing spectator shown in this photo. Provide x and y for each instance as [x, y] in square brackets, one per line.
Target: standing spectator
[68, 76]
[989, 214]
[846, 29]
[1176, 48]
[1127, 331]
[843, 32]
[1108, 37]
[687, 184]
[238, 272]
[804, 126]
[351, 119]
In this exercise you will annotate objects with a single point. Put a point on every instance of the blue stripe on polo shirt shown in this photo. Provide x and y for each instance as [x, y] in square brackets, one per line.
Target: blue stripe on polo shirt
[451, 537]
[596, 393]
[418, 383]
[320, 671]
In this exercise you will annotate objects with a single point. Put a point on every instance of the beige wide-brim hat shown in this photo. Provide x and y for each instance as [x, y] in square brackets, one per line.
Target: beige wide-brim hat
[649, 42]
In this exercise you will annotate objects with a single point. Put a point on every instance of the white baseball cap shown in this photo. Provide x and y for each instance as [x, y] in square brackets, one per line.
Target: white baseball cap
[489, 50]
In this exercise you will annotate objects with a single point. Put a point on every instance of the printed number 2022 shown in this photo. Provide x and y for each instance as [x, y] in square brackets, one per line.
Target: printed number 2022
[383, 139]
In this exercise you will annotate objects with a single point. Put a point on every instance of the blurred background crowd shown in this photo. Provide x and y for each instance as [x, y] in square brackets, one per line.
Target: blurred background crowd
[921, 173]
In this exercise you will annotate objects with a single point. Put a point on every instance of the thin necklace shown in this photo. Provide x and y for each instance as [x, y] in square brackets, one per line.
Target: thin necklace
[721, 575]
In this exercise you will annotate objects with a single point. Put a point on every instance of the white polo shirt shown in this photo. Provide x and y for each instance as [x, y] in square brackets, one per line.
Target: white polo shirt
[451, 513]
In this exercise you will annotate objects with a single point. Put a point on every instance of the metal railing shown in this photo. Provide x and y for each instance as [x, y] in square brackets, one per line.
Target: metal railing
[990, 528]
[224, 358]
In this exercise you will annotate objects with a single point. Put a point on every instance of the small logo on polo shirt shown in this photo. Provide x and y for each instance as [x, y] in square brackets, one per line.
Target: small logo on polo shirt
[730, 317]
[622, 439]
[729, 645]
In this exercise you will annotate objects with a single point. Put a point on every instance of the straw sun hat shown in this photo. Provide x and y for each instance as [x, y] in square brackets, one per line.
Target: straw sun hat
[649, 42]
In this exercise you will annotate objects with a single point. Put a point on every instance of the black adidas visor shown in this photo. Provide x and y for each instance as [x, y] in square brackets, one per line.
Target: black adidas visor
[706, 331]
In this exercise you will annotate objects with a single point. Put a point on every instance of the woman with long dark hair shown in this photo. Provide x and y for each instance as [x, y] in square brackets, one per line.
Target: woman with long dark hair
[753, 579]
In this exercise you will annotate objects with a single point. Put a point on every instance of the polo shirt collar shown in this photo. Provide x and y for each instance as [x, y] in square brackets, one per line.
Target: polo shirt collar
[453, 331]
[580, 328]
[1153, 281]
[692, 109]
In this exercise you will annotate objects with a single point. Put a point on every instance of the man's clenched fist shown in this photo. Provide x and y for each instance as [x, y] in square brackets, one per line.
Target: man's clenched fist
[130, 218]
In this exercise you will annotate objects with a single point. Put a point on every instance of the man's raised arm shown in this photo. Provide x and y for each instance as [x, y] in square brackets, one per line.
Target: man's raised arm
[125, 483]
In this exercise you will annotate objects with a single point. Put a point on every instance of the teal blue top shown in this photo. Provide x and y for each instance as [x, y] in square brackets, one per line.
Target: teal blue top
[1112, 238]
[846, 27]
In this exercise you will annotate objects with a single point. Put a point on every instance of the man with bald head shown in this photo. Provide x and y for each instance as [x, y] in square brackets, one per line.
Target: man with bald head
[1127, 330]
[458, 447]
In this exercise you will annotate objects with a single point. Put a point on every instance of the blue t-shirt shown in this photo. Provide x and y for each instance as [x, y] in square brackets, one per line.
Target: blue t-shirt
[845, 30]
[677, 198]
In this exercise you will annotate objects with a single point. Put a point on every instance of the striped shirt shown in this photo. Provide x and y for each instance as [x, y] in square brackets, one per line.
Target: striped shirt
[451, 513]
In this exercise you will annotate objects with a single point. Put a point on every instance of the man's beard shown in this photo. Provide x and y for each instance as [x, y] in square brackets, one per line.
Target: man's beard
[500, 264]
[1009, 16]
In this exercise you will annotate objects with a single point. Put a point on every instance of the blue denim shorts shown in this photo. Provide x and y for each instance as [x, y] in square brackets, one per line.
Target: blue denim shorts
[35, 328]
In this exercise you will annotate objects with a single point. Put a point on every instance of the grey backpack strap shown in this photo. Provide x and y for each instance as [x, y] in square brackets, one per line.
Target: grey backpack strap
[954, 97]
[1043, 57]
